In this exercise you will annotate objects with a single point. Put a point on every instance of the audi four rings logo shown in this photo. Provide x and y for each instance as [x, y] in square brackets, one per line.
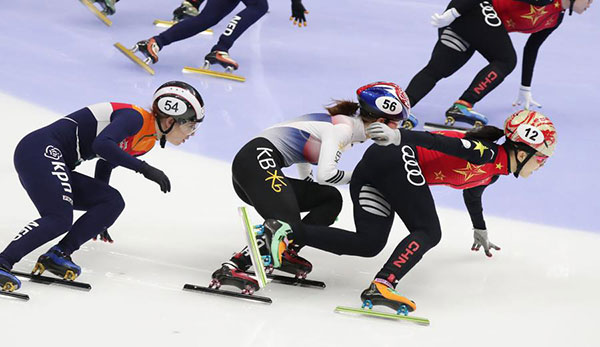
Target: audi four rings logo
[413, 170]
[489, 14]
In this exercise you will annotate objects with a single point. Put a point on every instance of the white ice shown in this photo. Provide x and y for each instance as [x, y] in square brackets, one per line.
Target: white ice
[541, 289]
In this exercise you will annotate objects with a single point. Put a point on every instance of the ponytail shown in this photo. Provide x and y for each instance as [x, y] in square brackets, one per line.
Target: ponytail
[344, 107]
[486, 132]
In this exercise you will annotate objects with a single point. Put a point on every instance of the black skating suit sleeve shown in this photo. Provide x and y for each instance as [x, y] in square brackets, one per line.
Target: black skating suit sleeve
[472, 198]
[474, 151]
[463, 6]
[531, 49]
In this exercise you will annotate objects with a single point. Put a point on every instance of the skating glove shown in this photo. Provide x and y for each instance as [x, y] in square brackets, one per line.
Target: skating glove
[104, 236]
[383, 135]
[525, 98]
[480, 237]
[154, 174]
[444, 19]
[298, 12]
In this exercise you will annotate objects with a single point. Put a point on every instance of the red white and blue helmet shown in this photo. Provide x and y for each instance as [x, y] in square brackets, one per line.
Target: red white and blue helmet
[383, 100]
[180, 101]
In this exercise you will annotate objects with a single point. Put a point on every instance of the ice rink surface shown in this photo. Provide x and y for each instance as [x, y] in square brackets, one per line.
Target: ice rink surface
[541, 289]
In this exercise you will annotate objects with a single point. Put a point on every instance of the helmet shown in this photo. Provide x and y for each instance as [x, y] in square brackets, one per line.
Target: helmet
[532, 129]
[178, 100]
[383, 100]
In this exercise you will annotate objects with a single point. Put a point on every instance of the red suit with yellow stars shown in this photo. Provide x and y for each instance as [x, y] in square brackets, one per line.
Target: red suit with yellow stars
[527, 18]
[456, 172]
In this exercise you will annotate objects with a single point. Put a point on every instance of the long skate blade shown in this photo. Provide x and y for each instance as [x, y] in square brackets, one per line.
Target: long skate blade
[255, 256]
[368, 312]
[222, 292]
[97, 12]
[20, 296]
[226, 75]
[169, 23]
[51, 280]
[443, 127]
[134, 58]
[293, 281]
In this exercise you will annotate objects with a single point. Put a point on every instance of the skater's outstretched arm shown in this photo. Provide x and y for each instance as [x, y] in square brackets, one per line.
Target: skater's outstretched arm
[530, 52]
[473, 202]
[475, 151]
[124, 123]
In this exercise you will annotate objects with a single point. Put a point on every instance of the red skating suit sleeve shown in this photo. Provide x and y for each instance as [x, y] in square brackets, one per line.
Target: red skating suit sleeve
[444, 169]
[526, 18]
[143, 141]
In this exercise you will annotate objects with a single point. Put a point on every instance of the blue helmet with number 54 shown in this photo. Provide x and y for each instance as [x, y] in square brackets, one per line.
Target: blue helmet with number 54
[178, 100]
[383, 100]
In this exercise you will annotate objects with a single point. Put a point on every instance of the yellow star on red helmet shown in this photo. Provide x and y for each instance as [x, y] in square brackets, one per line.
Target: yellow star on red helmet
[470, 170]
[534, 14]
[499, 166]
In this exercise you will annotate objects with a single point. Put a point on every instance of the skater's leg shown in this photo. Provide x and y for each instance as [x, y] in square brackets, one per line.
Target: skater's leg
[411, 199]
[103, 204]
[322, 202]
[373, 217]
[259, 181]
[254, 10]
[211, 14]
[257, 172]
[47, 180]
[450, 53]
[488, 37]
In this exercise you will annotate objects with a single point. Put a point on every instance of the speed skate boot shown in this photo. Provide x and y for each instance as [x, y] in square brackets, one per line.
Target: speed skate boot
[222, 58]
[188, 8]
[294, 264]
[381, 292]
[462, 111]
[410, 122]
[108, 6]
[230, 275]
[149, 49]
[58, 263]
[276, 234]
[8, 281]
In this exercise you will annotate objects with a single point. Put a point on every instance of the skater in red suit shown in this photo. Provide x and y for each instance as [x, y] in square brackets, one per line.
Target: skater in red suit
[394, 176]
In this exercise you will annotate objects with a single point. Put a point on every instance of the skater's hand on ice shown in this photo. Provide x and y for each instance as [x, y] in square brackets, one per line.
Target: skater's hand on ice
[444, 19]
[525, 98]
[383, 135]
[104, 236]
[298, 12]
[481, 239]
[157, 176]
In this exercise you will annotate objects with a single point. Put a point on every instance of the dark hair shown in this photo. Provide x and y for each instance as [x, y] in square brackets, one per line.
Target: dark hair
[348, 108]
[486, 132]
[344, 107]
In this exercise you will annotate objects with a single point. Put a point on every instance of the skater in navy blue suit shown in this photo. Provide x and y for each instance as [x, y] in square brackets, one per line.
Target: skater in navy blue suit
[45, 161]
[211, 14]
